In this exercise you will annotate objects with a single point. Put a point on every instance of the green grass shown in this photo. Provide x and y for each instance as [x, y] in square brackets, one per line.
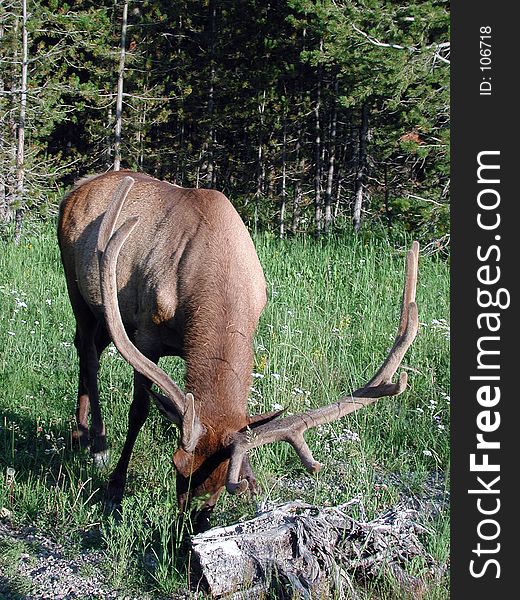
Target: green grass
[332, 315]
[11, 553]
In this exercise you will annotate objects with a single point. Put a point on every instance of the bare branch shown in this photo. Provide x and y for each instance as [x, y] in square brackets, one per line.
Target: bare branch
[376, 42]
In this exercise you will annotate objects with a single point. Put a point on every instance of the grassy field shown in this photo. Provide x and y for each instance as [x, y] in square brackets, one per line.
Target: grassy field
[331, 317]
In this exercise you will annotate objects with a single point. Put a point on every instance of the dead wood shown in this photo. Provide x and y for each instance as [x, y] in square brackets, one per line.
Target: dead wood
[303, 551]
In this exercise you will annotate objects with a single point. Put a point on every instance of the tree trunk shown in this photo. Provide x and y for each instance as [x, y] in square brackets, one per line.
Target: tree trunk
[212, 174]
[299, 157]
[359, 184]
[260, 177]
[339, 189]
[120, 85]
[387, 199]
[20, 150]
[141, 129]
[341, 167]
[260, 165]
[332, 158]
[317, 159]
[5, 212]
[283, 187]
[141, 137]
[297, 193]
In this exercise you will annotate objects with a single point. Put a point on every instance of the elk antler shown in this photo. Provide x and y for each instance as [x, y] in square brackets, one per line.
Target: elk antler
[291, 429]
[180, 408]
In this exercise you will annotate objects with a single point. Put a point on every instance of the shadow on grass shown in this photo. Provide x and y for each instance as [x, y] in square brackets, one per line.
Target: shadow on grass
[9, 590]
[47, 476]
[50, 481]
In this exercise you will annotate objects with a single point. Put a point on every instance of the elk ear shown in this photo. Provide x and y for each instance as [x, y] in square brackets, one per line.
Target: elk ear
[166, 407]
[257, 420]
[191, 428]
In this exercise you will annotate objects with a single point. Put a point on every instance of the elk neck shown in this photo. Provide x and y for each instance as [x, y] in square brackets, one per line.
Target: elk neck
[219, 362]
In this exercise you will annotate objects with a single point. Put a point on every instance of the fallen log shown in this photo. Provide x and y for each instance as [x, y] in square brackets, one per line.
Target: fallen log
[300, 550]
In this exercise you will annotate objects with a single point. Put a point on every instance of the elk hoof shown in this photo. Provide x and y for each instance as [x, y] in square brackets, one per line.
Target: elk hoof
[101, 459]
[112, 499]
[315, 467]
[113, 509]
[237, 488]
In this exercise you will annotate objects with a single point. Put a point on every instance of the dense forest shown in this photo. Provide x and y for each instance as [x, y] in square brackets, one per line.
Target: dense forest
[312, 116]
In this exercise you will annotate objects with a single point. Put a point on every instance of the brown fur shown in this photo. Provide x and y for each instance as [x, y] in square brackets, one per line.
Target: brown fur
[189, 284]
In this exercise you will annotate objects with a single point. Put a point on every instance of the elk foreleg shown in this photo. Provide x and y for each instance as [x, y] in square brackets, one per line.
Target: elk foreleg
[137, 415]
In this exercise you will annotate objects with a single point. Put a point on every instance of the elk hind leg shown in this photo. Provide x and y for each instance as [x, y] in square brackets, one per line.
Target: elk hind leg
[91, 339]
[98, 443]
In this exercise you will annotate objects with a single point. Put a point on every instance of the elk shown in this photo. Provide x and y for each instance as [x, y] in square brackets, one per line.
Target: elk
[168, 271]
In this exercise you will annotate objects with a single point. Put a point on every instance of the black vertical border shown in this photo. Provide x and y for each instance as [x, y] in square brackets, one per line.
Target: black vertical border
[484, 123]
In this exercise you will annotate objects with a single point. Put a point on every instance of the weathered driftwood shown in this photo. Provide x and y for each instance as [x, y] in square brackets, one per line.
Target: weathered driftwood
[304, 551]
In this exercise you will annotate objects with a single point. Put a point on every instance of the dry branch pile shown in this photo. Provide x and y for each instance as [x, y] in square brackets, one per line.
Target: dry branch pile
[299, 549]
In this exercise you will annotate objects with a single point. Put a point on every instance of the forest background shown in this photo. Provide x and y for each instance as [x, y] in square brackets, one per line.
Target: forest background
[312, 117]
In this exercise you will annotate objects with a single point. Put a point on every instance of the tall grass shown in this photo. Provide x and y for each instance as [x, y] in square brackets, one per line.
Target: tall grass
[331, 317]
